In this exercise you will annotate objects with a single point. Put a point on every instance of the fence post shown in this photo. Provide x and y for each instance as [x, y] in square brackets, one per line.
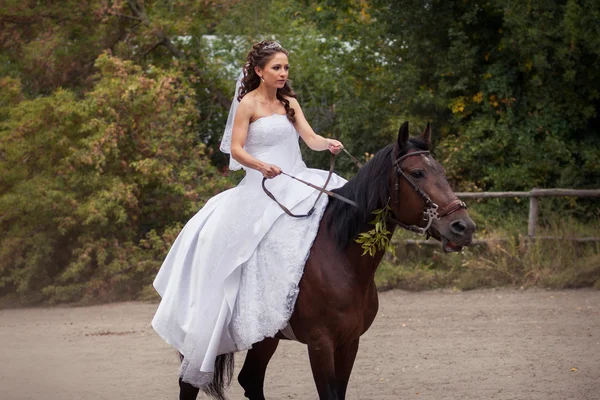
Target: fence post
[533, 213]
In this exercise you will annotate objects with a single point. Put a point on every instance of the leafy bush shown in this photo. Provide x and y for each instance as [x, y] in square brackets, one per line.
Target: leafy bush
[94, 189]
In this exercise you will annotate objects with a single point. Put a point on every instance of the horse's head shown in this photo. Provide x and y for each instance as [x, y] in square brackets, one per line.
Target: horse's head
[421, 197]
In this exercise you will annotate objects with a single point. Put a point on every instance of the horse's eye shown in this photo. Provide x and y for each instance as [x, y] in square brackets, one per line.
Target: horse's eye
[417, 174]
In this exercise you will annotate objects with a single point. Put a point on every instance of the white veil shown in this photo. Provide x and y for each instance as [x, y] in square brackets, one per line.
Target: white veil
[226, 141]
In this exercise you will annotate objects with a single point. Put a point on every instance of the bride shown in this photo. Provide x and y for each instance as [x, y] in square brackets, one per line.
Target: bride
[231, 277]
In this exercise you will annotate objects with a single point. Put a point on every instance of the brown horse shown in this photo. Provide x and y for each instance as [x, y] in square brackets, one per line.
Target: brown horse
[338, 299]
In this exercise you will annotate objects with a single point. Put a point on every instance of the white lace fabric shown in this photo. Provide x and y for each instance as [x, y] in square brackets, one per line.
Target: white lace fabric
[225, 146]
[231, 277]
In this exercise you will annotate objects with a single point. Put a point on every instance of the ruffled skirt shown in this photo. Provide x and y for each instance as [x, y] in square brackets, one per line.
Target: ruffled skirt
[231, 277]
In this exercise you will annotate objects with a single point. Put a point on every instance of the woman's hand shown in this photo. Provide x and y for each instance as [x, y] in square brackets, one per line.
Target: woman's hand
[334, 146]
[269, 170]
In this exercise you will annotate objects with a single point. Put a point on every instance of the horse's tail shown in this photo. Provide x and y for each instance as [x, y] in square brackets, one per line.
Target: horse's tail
[221, 378]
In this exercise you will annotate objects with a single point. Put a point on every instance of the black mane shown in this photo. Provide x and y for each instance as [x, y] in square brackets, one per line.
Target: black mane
[369, 188]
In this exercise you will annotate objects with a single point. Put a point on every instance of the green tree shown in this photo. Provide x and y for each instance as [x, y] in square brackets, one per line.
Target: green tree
[511, 88]
[92, 191]
[512, 85]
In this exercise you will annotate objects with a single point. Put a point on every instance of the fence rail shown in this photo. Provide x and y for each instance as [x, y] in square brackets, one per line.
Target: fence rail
[533, 195]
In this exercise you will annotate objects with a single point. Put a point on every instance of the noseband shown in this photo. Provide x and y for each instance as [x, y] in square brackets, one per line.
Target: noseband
[430, 211]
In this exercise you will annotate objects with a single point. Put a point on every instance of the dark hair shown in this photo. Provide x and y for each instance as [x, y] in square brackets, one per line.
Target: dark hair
[259, 56]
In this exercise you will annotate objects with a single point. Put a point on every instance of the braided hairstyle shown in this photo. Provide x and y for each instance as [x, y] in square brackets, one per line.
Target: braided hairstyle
[259, 57]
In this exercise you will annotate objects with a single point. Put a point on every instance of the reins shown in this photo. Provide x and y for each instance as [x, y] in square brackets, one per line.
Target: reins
[320, 189]
[429, 213]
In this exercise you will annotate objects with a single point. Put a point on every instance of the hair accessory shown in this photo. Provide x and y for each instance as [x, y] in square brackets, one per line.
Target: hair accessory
[273, 45]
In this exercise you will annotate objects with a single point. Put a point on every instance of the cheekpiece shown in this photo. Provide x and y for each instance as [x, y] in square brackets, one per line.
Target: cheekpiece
[273, 45]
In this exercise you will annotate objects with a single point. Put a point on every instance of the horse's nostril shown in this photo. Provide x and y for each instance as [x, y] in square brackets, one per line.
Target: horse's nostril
[458, 226]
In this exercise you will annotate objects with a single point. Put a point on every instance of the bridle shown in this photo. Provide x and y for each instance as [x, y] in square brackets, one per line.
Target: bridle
[430, 211]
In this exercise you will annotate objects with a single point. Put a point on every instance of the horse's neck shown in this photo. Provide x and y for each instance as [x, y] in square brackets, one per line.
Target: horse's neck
[365, 266]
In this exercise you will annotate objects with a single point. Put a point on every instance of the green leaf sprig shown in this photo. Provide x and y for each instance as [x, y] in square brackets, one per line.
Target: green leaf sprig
[377, 238]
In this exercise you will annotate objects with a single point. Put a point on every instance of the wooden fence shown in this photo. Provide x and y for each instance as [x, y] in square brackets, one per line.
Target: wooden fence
[533, 195]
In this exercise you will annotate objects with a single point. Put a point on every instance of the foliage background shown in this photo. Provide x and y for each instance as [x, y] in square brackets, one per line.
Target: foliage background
[111, 113]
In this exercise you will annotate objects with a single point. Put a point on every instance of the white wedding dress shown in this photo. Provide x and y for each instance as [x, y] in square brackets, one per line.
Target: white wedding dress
[231, 277]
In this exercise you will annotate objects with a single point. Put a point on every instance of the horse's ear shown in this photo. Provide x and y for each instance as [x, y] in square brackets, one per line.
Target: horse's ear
[426, 135]
[403, 135]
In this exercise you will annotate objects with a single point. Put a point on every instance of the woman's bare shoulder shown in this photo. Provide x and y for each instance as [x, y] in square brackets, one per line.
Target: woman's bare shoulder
[293, 101]
[248, 103]
[249, 98]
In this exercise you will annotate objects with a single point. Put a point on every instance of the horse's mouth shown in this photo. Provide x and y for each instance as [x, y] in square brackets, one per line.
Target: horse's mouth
[448, 246]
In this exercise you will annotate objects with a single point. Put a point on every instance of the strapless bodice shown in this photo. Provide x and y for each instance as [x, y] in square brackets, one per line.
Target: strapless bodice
[274, 139]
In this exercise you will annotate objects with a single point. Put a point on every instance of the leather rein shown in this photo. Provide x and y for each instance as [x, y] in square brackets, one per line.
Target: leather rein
[430, 212]
[320, 189]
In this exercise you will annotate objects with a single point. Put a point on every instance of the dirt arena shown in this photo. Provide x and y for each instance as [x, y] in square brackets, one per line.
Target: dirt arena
[484, 344]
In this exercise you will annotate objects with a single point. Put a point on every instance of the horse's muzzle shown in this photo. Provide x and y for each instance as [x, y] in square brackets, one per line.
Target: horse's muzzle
[454, 233]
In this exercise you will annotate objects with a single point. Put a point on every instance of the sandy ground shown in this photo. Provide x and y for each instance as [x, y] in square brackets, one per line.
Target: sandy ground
[485, 344]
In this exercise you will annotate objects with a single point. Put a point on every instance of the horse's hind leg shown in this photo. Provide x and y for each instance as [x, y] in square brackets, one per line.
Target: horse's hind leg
[252, 375]
[344, 360]
[187, 391]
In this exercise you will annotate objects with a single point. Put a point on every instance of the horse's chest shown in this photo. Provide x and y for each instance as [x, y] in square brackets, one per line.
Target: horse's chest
[359, 318]
[369, 311]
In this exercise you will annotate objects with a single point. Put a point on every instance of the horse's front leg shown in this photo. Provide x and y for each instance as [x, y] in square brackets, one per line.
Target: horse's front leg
[321, 352]
[252, 375]
[344, 360]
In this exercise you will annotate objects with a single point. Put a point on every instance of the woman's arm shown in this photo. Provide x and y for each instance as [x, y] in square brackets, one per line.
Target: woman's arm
[239, 134]
[312, 140]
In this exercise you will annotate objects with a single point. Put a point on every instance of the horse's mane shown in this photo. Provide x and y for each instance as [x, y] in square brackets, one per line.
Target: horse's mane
[369, 189]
